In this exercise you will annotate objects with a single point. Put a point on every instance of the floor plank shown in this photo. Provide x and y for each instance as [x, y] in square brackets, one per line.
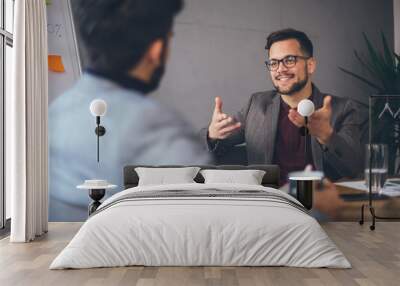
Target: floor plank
[375, 257]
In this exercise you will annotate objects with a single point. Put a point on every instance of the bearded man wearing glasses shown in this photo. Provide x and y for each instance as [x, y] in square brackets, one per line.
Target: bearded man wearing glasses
[270, 124]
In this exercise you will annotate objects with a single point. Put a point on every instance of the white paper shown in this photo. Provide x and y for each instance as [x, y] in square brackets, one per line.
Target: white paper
[391, 188]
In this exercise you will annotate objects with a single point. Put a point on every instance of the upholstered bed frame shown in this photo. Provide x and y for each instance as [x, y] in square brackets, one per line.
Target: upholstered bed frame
[201, 225]
[271, 177]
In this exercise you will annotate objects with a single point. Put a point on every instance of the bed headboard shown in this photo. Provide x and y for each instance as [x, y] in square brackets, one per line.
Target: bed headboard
[270, 179]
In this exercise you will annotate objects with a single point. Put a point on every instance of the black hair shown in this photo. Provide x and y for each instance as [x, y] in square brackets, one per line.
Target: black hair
[117, 33]
[306, 45]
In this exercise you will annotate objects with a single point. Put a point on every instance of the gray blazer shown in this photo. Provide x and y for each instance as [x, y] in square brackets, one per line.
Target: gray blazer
[342, 157]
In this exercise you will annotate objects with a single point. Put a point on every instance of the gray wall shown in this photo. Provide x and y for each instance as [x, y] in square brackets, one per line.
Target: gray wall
[218, 48]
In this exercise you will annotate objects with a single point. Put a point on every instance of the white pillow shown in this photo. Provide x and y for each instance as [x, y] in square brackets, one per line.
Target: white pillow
[248, 177]
[162, 176]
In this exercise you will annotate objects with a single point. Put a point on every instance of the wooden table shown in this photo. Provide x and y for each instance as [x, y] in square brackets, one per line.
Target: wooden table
[389, 207]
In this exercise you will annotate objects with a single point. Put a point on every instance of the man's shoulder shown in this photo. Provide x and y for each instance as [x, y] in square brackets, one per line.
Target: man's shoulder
[341, 101]
[263, 96]
[344, 106]
[91, 87]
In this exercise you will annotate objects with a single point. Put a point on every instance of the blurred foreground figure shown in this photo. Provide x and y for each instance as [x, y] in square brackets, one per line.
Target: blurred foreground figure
[127, 44]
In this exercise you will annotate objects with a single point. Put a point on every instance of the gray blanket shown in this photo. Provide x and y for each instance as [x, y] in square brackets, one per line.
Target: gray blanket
[202, 194]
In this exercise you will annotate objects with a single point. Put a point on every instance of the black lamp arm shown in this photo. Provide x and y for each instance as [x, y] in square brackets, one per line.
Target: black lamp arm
[100, 131]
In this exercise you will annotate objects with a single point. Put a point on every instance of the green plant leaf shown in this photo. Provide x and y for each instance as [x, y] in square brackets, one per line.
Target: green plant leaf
[382, 67]
[367, 66]
[398, 58]
[375, 61]
[373, 54]
[397, 73]
[393, 72]
[390, 61]
[383, 72]
[366, 81]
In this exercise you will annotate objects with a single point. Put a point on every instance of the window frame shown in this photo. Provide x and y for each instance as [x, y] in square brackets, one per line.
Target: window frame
[6, 39]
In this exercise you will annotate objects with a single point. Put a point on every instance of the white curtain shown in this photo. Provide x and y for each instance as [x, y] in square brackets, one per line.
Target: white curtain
[26, 123]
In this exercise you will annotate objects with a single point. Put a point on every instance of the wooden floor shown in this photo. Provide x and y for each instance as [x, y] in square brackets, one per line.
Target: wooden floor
[375, 257]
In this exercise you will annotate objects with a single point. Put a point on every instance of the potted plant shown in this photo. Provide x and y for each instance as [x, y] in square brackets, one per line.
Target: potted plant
[383, 69]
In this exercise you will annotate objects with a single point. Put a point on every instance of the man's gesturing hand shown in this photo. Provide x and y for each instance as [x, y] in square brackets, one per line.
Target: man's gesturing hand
[319, 123]
[221, 125]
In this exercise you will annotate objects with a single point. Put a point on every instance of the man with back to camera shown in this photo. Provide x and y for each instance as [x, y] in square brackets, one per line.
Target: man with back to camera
[270, 123]
[127, 45]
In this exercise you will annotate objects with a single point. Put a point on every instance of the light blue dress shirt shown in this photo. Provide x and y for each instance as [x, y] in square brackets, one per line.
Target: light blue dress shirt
[139, 130]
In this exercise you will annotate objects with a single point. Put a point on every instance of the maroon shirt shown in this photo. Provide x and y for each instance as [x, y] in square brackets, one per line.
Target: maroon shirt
[289, 145]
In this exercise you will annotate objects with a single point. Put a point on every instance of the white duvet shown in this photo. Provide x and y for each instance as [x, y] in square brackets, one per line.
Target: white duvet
[185, 231]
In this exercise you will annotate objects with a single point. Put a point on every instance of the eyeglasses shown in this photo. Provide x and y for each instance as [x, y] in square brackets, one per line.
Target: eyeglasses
[288, 61]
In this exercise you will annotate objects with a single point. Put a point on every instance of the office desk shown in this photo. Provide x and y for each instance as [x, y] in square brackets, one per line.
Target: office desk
[389, 207]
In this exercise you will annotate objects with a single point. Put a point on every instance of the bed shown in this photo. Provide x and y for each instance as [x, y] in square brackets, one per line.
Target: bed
[201, 224]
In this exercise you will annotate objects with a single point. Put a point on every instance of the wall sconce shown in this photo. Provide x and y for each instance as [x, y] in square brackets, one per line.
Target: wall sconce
[305, 108]
[98, 108]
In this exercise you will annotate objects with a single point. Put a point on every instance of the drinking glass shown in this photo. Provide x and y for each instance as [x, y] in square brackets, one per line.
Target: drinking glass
[379, 166]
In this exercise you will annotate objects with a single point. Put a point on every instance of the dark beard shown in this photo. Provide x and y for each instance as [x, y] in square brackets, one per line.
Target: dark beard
[158, 73]
[155, 80]
[295, 87]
